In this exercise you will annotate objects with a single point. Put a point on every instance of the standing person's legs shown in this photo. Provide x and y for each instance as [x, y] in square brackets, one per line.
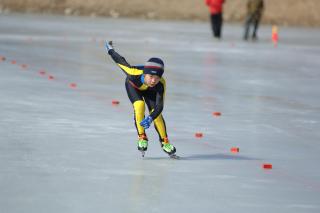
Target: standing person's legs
[212, 20]
[219, 25]
[216, 24]
[247, 27]
[255, 26]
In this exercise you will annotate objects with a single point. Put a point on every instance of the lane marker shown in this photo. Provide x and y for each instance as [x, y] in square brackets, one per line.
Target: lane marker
[235, 150]
[42, 72]
[216, 114]
[267, 166]
[73, 85]
[198, 134]
[115, 102]
[24, 66]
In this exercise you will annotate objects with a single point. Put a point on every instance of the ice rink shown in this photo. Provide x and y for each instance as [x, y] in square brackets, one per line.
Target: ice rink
[65, 148]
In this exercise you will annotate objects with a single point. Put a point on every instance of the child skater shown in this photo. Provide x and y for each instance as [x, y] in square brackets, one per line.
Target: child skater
[145, 86]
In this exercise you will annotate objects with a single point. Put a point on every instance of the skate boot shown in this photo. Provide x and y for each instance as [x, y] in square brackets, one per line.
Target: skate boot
[142, 144]
[169, 148]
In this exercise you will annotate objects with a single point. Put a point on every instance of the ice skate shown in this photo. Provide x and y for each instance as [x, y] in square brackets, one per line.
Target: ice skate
[142, 144]
[169, 149]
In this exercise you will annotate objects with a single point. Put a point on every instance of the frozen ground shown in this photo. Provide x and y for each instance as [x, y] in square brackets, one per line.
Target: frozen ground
[68, 149]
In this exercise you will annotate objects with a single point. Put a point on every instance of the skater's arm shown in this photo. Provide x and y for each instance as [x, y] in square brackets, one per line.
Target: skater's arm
[158, 108]
[121, 61]
[159, 99]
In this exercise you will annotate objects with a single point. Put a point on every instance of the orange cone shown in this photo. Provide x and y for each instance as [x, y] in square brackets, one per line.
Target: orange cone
[275, 37]
[216, 114]
[42, 72]
[73, 85]
[115, 102]
[267, 166]
[198, 135]
[235, 149]
[24, 66]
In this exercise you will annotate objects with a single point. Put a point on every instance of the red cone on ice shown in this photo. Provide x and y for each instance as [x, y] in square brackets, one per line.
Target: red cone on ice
[217, 114]
[267, 166]
[115, 102]
[73, 85]
[235, 149]
[198, 134]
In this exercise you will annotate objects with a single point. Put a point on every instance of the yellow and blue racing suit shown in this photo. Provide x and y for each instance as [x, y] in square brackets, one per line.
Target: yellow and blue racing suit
[140, 94]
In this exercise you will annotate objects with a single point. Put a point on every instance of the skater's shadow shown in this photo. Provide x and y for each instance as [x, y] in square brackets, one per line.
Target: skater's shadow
[207, 157]
[217, 157]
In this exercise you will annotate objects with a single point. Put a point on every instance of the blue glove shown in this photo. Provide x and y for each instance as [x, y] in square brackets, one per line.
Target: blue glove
[108, 46]
[146, 122]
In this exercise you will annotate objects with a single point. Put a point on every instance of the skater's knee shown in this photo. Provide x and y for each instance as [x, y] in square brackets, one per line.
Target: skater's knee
[158, 119]
[159, 122]
[160, 126]
[139, 106]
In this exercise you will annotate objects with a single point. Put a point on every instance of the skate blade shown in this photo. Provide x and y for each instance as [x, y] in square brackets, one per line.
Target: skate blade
[174, 156]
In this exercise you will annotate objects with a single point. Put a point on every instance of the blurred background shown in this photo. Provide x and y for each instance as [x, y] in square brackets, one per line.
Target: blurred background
[284, 12]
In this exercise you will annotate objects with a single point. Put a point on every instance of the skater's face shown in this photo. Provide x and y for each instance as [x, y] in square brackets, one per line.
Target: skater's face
[151, 80]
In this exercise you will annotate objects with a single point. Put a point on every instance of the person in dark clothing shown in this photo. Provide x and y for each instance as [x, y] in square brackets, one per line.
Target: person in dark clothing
[254, 14]
[216, 16]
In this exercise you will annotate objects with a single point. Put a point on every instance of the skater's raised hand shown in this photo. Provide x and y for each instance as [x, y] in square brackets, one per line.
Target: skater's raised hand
[108, 45]
[146, 122]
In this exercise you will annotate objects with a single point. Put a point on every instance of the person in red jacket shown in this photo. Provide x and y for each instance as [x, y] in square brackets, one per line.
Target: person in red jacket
[215, 8]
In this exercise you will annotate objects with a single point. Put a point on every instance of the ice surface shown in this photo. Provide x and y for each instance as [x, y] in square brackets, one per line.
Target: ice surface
[66, 149]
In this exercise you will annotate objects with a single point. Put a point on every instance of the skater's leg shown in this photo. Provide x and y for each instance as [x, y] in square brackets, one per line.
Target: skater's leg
[160, 127]
[159, 123]
[136, 99]
[139, 108]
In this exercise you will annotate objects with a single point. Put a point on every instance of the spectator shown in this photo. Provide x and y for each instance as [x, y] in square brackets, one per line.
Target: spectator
[254, 13]
[216, 17]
